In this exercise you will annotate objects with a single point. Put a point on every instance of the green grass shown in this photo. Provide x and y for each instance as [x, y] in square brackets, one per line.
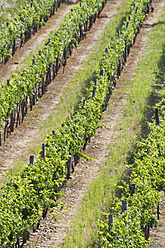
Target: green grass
[74, 92]
[28, 59]
[141, 95]
[10, 8]
[84, 227]
[93, 60]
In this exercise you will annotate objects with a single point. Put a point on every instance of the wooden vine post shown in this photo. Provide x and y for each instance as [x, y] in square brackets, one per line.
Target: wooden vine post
[31, 160]
[124, 206]
[39, 89]
[110, 220]
[158, 124]
[132, 189]
[43, 152]
[69, 165]
[157, 117]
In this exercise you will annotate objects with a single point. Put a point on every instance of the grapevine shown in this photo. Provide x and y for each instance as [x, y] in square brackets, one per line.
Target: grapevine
[131, 228]
[26, 196]
[21, 27]
[24, 84]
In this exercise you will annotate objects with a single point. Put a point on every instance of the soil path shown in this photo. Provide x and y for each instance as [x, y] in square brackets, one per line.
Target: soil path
[157, 235]
[30, 46]
[26, 134]
[52, 233]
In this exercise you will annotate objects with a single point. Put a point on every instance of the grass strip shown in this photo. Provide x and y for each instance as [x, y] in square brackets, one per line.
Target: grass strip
[28, 20]
[26, 84]
[43, 177]
[10, 8]
[142, 192]
[28, 59]
[144, 91]
[74, 92]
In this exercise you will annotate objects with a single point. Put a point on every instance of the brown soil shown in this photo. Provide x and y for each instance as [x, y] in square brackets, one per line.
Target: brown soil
[26, 134]
[157, 235]
[51, 233]
[52, 24]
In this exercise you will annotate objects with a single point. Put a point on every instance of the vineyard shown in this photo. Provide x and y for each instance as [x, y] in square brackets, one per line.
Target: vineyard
[141, 195]
[26, 197]
[18, 30]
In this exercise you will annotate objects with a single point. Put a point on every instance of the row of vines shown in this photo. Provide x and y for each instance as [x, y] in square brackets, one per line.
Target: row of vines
[17, 31]
[130, 228]
[27, 196]
[26, 86]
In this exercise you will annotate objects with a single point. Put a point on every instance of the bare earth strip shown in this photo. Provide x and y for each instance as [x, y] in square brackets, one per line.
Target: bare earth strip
[27, 134]
[157, 235]
[30, 46]
[52, 233]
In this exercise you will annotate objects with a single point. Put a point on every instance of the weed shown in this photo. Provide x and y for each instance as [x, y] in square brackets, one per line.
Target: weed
[141, 98]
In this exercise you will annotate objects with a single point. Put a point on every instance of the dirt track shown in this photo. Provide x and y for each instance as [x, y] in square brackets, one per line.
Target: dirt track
[26, 134]
[47, 235]
[30, 46]
[51, 233]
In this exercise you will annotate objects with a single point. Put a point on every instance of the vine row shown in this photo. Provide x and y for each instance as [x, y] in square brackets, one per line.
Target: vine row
[25, 87]
[28, 195]
[133, 214]
[18, 31]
